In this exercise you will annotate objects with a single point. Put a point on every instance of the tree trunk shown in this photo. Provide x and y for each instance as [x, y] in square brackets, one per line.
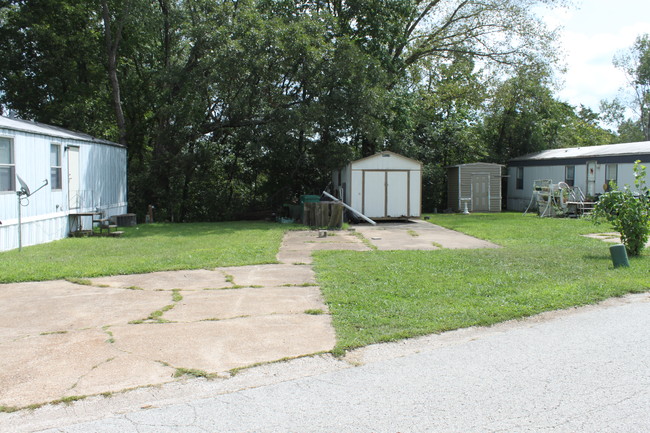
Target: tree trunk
[112, 45]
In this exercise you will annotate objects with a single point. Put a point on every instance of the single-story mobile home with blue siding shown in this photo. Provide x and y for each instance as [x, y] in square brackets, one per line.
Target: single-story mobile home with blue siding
[84, 175]
[588, 168]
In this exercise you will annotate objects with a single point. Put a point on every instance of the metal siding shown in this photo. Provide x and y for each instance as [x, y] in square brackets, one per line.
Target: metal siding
[465, 184]
[453, 196]
[519, 199]
[415, 191]
[495, 189]
[103, 169]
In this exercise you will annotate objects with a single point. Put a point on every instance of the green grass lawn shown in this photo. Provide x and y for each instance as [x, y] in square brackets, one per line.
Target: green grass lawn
[544, 265]
[146, 248]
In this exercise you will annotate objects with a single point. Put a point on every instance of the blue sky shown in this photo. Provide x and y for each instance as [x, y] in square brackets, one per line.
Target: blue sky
[594, 31]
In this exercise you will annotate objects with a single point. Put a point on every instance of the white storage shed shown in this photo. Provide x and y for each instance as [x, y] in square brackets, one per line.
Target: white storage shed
[588, 168]
[382, 186]
[86, 179]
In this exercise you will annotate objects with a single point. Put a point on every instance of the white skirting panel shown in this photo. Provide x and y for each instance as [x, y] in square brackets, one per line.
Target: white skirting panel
[42, 230]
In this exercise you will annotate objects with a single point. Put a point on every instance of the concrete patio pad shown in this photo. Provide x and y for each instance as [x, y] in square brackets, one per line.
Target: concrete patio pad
[233, 303]
[43, 368]
[297, 246]
[418, 235]
[168, 280]
[28, 309]
[271, 275]
[219, 346]
[63, 339]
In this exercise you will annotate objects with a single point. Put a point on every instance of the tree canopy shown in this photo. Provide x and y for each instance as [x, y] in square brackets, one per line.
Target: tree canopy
[235, 106]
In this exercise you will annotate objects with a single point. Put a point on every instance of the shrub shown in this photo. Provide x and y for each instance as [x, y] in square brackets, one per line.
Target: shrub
[627, 211]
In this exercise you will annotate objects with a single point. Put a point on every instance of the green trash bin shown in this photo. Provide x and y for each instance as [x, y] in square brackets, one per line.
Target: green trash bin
[619, 255]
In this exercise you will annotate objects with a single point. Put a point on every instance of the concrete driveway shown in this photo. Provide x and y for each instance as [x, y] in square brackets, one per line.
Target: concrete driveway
[59, 339]
[418, 235]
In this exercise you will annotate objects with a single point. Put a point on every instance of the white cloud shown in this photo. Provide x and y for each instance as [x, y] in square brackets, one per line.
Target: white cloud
[590, 38]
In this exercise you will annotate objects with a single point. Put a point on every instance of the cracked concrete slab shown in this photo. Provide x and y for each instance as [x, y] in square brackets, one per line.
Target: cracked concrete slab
[124, 371]
[219, 346]
[46, 367]
[55, 306]
[232, 303]
[193, 279]
[271, 275]
[418, 235]
[297, 246]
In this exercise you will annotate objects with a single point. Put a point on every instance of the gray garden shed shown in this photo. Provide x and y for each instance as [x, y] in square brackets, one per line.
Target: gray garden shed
[478, 184]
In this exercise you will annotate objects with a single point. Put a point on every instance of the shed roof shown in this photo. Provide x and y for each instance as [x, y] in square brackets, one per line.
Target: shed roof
[606, 150]
[387, 153]
[475, 164]
[49, 130]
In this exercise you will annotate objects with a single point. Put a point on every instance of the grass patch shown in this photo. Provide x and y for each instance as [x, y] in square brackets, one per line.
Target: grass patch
[156, 316]
[108, 332]
[365, 241]
[53, 333]
[80, 281]
[544, 264]
[9, 409]
[146, 248]
[314, 312]
[194, 373]
[299, 285]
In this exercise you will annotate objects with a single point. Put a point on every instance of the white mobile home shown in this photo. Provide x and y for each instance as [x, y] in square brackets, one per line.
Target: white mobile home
[588, 168]
[385, 185]
[86, 179]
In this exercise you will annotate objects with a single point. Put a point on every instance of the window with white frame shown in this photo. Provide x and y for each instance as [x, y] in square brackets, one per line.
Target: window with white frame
[7, 165]
[611, 174]
[570, 175]
[55, 166]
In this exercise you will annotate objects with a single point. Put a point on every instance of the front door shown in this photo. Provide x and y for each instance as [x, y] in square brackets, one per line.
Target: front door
[74, 194]
[480, 192]
[591, 178]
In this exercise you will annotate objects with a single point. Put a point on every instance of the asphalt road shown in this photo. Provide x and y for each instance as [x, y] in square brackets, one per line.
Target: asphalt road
[585, 370]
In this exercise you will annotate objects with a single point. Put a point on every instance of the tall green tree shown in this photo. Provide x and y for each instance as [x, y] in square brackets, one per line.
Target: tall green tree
[51, 64]
[635, 63]
[236, 105]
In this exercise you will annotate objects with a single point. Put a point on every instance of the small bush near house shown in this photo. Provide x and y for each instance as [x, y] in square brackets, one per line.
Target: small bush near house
[628, 212]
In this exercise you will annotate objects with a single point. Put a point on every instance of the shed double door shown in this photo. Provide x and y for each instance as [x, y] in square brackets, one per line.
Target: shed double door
[385, 193]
